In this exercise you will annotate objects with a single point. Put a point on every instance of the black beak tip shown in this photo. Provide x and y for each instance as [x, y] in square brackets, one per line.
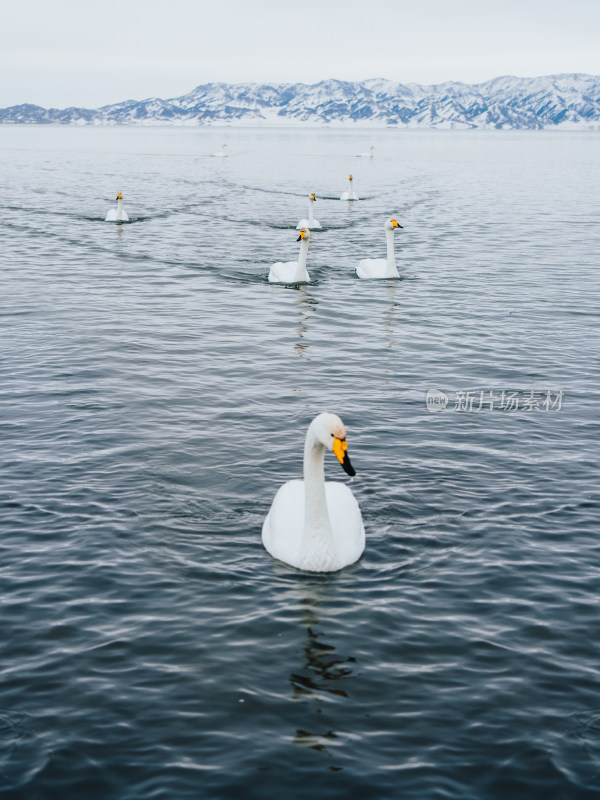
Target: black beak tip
[347, 467]
[299, 238]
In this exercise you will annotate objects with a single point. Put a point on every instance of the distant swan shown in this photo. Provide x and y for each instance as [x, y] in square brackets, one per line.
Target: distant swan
[367, 155]
[117, 214]
[293, 271]
[221, 153]
[311, 222]
[314, 525]
[381, 267]
[350, 194]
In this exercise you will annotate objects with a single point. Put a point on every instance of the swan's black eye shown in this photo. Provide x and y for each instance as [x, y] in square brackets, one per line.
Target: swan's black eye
[332, 435]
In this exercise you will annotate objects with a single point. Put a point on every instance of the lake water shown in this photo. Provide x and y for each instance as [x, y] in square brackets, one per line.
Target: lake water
[156, 391]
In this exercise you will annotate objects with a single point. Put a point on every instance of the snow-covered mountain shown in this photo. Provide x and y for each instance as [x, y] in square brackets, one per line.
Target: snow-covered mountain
[552, 101]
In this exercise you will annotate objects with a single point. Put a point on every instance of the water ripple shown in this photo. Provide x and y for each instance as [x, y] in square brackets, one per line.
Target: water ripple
[156, 390]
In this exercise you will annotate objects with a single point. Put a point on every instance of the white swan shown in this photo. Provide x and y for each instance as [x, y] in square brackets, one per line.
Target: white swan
[381, 267]
[314, 525]
[117, 214]
[350, 194]
[293, 271]
[311, 222]
[221, 154]
[367, 155]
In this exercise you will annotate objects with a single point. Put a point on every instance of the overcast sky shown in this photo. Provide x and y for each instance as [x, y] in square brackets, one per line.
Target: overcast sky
[72, 52]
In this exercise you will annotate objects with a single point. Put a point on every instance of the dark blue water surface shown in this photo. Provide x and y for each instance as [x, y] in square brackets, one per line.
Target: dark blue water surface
[156, 391]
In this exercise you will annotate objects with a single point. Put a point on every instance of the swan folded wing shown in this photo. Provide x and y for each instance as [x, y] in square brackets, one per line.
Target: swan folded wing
[286, 273]
[371, 268]
[114, 216]
[282, 272]
[284, 526]
[346, 523]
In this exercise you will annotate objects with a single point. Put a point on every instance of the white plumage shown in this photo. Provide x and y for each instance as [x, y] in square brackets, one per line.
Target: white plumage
[311, 222]
[350, 194]
[117, 214]
[381, 267]
[314, 525]
[293, 271]
[367, 155]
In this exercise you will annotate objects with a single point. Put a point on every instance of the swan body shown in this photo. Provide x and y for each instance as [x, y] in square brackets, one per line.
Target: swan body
[221, 153]
[350, 194]
[293, 271]
[367, 155]
[312, 524]
[117, 214]
[381, 267]
[311, 222]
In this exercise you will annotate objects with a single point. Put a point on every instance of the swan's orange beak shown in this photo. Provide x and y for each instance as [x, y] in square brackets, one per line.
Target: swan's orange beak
[119, 196]
[302, 235]
[396, 224]
[340, 448]
[312, 197]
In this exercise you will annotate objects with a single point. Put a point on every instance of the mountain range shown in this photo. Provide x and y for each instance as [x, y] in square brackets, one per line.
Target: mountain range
[552, 101]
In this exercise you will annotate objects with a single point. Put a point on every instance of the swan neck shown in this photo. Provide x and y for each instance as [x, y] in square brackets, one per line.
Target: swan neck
[391, 259]
[120, 203]
[311, 211]
[302, 258]
[317, 527]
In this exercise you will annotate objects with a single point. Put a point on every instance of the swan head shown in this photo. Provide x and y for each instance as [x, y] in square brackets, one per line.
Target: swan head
[329, 430]
[304, 235]
[391, 223]
[313, 198]
[350, 178]
[119, 196]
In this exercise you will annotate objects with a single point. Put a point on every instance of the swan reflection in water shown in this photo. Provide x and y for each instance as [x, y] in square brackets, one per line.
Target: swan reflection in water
[307, 305]
[390, 314]
[322, 679]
